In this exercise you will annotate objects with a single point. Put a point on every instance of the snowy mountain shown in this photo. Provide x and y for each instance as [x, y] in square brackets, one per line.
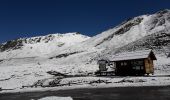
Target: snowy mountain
[39, 46]
[73, 54]
[143, 28]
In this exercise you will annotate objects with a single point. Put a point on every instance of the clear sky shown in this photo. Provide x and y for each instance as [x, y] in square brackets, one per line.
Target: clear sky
[26, 18]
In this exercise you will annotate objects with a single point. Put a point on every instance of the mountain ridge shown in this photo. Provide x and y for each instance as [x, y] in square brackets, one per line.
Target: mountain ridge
[108, 40]
[53, 41]
[123, 34]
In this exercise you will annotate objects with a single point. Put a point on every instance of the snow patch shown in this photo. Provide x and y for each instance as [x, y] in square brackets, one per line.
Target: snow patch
[56, 98]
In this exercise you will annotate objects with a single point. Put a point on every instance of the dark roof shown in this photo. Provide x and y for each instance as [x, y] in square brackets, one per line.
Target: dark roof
[134, 55]
[107, 61]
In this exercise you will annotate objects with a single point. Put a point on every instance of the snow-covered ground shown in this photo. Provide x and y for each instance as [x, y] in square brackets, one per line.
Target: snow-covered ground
[162, 66]
[56, 98]
[96, 82]
[26, 74]
[18, 73]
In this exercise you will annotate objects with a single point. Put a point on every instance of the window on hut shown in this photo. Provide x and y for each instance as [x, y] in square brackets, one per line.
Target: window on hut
[123, 63]
[137, 65]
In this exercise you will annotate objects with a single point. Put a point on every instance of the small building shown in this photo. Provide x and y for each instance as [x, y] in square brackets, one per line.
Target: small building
[105, 68]
[103, 64]
[134, 63]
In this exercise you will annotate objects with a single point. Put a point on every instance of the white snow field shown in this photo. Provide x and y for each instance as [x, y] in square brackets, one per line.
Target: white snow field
[95, 82]
[25, 62]
[56, 98]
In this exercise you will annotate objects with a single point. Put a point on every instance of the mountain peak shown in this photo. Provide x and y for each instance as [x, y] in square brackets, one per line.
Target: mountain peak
[40, 45]
[163, 11]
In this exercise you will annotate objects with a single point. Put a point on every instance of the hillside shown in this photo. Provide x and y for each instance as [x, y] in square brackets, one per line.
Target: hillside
[40, 45]
[143, 28]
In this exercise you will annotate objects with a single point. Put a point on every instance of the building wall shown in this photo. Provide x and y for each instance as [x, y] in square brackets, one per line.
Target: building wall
[131, 67]
[124, 68]
[149, 68]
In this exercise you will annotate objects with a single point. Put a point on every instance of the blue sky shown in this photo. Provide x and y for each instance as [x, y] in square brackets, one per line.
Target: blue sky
[26, 18]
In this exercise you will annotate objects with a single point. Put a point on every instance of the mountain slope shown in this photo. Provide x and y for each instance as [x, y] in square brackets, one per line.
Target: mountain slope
[123, 34]
[39, 46]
